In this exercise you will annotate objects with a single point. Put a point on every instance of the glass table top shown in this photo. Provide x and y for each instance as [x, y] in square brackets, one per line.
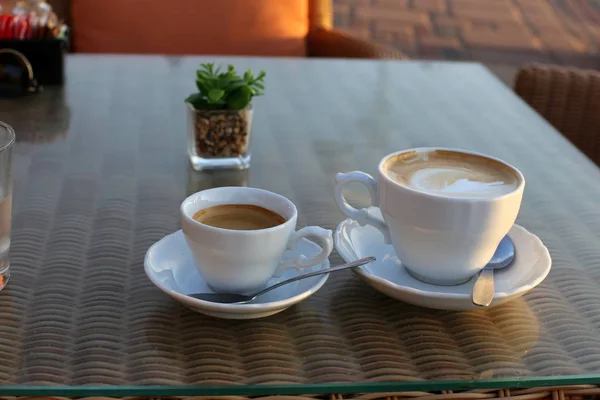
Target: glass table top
[100, 168]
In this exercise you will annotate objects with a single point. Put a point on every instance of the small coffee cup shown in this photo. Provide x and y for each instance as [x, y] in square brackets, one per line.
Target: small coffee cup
[239, 252]
[445, 211]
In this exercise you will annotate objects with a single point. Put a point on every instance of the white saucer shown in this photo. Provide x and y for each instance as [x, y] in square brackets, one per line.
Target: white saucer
[170, 266]
[387, 275]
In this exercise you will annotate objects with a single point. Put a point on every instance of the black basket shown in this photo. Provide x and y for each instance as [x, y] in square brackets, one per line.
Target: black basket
[46, 56]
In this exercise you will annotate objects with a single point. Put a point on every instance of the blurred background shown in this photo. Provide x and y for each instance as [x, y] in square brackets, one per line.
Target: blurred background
[503, 34]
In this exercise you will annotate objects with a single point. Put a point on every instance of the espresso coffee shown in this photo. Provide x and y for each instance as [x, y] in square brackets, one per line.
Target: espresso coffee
[452, 174]
[241, 217]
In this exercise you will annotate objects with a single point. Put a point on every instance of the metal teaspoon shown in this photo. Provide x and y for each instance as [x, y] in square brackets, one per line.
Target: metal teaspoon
[232, 298]
[483, 290]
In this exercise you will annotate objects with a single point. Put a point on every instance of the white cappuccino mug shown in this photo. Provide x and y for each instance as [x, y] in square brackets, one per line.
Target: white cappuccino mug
[445, 211]
[243, 260]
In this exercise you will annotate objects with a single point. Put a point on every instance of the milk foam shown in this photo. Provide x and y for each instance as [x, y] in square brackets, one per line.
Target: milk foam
[452, 174]
[456, 182]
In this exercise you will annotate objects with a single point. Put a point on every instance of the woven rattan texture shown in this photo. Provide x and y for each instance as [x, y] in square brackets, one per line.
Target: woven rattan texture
[100, 171]
[569, 98]
[542, 393]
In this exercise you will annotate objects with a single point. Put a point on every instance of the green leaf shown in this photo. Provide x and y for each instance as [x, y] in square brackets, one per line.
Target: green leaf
[208, 68]
[215, 95]
[248, 77]
[201, 103]
[222, 88]
[236, 84]
[202, 74]
[196, 100]
[192, 97]
[239, 98]
[226, 79]
[201, 85]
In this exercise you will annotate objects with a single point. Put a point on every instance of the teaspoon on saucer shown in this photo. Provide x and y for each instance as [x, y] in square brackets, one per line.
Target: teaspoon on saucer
[483, 290]
[232, 298]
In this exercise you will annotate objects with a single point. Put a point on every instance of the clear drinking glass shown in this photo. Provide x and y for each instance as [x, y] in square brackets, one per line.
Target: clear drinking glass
[7, 139]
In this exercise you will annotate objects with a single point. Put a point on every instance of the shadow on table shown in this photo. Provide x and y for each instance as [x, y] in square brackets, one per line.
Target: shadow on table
[201, 180]
[345, 332]
[479, 344]
[212, 351]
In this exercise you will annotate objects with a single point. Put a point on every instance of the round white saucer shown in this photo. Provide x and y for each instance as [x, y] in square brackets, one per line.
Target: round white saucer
[170, 266]
[387, 275]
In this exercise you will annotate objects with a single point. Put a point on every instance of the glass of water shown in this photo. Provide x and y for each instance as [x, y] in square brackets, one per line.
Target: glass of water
[7, 139]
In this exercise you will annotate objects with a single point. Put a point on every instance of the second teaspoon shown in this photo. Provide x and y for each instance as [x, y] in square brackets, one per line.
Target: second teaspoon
[232, 298]
[483, 290]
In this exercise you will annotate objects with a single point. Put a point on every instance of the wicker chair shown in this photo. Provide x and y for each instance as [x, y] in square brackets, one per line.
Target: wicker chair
[569, 99]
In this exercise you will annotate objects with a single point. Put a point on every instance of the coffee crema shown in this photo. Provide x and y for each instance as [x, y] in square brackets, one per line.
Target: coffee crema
[242, 217]
[452, 174]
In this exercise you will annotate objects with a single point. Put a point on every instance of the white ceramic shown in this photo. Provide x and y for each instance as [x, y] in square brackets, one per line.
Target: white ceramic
[387, 275]
[170, 266]
[242, 261]
[442, 240]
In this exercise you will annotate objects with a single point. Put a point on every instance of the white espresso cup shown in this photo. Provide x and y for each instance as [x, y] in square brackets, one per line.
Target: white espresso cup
[243, 261]
[442, 238]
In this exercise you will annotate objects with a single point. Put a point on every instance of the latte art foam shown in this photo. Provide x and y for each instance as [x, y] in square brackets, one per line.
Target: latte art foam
[455, 182]
[452, 174]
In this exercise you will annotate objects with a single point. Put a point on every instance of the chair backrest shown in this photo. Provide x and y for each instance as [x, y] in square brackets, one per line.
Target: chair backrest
[237, 27]
[568, 98]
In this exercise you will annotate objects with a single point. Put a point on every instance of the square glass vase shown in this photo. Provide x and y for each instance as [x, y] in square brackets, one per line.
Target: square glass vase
[219, 139]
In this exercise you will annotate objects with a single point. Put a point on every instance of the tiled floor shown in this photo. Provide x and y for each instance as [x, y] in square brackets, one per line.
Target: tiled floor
[501, 33]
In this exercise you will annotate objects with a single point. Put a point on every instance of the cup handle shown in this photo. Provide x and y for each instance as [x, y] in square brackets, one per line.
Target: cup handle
[318, 235]
[361, 216]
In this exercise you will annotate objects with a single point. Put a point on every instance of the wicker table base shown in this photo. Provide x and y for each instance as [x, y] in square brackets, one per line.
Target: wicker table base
[542, 393]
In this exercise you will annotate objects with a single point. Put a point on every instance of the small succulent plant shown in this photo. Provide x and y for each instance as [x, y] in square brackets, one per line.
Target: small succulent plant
[225, 90]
